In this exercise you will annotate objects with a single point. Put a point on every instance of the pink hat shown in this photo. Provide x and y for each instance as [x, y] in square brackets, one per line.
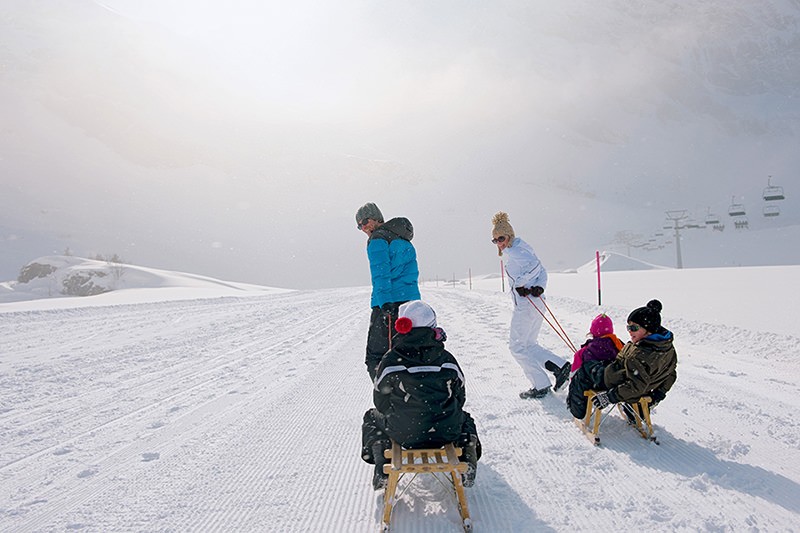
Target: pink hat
[601, 325]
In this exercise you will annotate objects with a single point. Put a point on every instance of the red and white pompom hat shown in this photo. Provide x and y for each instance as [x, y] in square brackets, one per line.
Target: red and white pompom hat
[414, 314]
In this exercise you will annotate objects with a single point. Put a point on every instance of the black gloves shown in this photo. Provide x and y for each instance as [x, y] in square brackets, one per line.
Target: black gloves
[533, 291]
[604, 399]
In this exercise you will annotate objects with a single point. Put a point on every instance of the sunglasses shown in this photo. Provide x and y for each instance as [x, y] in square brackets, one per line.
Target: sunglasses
[363, 223]
[501, 238]
[633, 327]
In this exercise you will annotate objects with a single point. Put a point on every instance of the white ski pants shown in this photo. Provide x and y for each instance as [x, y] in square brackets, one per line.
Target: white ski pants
[526, 322]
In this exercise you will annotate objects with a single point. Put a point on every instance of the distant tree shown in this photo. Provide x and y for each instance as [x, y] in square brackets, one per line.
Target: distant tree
[67, 251]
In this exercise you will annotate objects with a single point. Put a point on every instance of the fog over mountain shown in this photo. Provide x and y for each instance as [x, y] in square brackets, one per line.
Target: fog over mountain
[237, 140]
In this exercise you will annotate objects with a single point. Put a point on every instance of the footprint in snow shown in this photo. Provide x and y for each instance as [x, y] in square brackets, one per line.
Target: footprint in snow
[89, 472]
[150, 456]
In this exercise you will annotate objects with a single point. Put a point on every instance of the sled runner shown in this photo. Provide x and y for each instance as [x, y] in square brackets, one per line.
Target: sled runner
[424, 461]
[637, 414]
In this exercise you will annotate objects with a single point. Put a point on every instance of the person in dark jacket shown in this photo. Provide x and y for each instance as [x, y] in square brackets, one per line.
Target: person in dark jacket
[395, 275]
[646, 366]
[419, 396]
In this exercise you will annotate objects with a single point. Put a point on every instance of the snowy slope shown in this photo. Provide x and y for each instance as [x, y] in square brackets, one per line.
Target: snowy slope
[120, 283]
[243, 414]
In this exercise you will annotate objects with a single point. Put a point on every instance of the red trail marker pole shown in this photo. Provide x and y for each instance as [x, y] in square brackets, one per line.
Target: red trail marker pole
[597, 259]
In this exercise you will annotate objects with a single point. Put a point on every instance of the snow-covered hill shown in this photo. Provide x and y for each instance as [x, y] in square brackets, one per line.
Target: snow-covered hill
[243, 414]
[614, 262]
[66, 277]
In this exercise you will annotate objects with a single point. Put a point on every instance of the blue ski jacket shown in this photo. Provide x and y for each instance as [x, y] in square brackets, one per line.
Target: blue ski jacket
[393, 263]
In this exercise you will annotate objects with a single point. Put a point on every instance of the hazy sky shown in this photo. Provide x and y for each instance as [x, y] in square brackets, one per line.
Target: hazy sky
[237, 139]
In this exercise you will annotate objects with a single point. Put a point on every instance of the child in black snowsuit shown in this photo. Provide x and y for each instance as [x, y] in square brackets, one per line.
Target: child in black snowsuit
[419, 396]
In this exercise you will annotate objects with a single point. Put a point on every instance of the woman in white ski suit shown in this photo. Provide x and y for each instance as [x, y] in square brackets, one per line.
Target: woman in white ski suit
[528, 279]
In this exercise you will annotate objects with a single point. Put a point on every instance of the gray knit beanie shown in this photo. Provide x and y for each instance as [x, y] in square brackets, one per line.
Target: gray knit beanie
[369, 210]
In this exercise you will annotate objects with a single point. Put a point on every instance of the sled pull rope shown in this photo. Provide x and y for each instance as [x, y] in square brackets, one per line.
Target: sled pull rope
[390, 330]
[560, 330]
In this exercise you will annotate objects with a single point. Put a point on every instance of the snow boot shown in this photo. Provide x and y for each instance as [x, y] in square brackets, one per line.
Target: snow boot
[379, 479]
[534, 393]
[470, 456]
[562, 375]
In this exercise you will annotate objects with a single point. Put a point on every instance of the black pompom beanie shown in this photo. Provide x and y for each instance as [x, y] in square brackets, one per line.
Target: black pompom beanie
[649, 317]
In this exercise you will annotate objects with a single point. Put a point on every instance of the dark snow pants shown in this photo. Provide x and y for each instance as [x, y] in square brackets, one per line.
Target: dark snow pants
[378, 337]
[588, 377]
[374, 430]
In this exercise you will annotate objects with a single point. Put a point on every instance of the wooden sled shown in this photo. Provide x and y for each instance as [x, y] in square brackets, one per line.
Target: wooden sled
[639, 418]
[442, 460]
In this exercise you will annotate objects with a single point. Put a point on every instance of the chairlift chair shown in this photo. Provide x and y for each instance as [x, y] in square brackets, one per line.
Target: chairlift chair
[771, 211]
[711, 219]
[736, 210]
[772, 192]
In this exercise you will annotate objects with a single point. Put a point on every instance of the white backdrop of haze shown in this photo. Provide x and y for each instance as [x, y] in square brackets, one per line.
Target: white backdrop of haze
[237, 140]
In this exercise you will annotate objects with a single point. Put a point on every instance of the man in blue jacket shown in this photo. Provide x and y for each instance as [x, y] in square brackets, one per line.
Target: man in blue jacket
[395, 275]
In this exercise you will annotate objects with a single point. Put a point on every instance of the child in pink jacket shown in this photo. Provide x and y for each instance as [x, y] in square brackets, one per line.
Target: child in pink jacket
[602, 346]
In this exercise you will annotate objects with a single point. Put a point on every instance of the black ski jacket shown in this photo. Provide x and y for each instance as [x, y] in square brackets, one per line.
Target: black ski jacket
[419, 389]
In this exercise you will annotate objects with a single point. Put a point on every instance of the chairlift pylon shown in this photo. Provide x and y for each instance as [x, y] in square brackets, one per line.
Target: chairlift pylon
[772, 192]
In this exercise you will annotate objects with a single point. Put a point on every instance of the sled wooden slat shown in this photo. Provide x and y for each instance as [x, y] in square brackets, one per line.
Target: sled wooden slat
[590, 424]
[641, 415]
[424, 461]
